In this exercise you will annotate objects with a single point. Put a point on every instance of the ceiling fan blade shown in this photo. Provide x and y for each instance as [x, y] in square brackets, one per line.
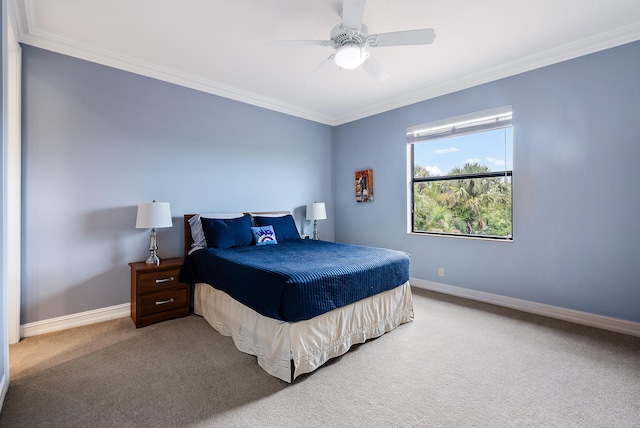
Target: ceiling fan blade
[321, 70]
[401, 38]
[352, 13]
[302, 43]
[375, 69]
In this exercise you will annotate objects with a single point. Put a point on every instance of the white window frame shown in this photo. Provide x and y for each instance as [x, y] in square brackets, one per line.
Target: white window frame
[480, 121]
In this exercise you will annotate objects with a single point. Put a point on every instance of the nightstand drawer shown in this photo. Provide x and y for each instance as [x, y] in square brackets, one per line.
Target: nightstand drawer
[158, 280]
[156, 293]
[163, 301]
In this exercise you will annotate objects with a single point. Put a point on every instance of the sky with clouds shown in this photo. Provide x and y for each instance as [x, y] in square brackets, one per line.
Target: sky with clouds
[493, 149]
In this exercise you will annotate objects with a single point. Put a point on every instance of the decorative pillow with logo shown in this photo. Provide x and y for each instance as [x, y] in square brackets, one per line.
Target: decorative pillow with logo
[264, 235]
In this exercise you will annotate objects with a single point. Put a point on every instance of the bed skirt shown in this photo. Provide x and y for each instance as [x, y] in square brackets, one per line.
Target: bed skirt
[305, 344]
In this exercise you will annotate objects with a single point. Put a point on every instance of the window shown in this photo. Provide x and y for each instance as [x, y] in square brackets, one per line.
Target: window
[461, 171]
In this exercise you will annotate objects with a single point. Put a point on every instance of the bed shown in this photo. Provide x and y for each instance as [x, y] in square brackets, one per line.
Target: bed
[295, 304]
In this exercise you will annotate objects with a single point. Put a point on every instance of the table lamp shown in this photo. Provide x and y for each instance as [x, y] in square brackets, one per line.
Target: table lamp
[316, 211]
[153, 215]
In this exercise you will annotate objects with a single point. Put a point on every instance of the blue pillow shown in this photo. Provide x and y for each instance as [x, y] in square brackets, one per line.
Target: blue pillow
[227, 233]
[284, 227]
[264, 235]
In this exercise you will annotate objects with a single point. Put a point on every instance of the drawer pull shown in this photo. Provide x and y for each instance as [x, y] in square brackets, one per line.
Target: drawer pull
[162, 302]
[160, 281]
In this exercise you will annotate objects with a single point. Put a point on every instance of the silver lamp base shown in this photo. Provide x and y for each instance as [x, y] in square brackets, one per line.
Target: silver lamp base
[153, 248]
[315, 229]
[153, 259]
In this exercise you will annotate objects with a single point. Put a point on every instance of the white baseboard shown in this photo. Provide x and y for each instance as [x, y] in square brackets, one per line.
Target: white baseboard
[578, 317]
[75, 320]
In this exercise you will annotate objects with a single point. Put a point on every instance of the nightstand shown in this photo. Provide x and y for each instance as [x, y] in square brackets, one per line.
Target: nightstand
[156, 293]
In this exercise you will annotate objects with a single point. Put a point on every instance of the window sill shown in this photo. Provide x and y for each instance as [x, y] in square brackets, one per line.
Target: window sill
[473, 238]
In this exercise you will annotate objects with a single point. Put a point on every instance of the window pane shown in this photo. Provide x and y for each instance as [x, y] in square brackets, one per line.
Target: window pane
[472, 206]
[490, 150]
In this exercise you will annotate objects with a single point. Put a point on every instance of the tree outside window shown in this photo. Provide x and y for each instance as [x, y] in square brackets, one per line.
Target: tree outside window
[461, 180]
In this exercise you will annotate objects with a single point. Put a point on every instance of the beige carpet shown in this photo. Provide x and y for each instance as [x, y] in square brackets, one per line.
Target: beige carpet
[459, 364]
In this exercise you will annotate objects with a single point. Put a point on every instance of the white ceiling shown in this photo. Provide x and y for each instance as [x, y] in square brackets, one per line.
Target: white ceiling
[222, 47]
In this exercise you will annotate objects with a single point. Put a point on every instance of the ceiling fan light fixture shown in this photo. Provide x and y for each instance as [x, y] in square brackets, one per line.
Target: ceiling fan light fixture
[350, 56]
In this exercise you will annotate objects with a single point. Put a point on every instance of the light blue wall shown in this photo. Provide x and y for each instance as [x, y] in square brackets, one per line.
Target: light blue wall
[576, 193]
[98, 141]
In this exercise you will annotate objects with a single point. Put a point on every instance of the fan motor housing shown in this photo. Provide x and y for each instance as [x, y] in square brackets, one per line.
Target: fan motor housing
[345, 36]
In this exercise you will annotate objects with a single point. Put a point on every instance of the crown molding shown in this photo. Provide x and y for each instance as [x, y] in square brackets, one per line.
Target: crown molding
[29, 34]
[15, 19]
[55, 43]
[600, 42]
[22, 12]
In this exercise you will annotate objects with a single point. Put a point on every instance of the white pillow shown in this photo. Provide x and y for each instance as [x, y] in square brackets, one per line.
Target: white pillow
[196, 226]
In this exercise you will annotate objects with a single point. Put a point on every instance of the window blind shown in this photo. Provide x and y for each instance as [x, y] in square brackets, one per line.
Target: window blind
[485, 120]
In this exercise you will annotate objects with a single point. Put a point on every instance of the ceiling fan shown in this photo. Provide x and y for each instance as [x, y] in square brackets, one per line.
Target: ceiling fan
[351, 40]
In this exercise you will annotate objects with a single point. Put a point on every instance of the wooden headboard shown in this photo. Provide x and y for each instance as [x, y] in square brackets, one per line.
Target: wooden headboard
[188, 239]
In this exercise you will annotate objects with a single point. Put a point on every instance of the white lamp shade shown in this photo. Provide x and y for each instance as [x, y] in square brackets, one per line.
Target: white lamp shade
[316, 211]
[154, 214]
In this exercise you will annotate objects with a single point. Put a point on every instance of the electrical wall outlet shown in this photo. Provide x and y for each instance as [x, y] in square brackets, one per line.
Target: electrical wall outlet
[440, 271]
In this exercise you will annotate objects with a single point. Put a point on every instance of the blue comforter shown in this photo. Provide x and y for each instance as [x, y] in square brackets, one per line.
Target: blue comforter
[299, 279]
